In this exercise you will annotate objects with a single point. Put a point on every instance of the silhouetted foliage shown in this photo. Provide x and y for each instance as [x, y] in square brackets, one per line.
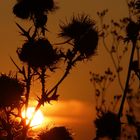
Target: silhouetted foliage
[124, 36]
[33, 9]
[39, 59]
[38, 53]
[56, 133]
[132, 30]
[83, 33]
[11, 90]
[108, 124]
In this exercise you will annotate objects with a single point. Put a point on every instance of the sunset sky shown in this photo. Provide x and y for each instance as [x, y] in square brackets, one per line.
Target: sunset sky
[75, 107]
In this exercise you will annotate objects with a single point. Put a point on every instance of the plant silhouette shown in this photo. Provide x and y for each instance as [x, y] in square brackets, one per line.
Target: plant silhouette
[38, 57]
[81, 31]
[10, 96]
[124, 35]
[38, 53]
[108, 124]
[56, 133]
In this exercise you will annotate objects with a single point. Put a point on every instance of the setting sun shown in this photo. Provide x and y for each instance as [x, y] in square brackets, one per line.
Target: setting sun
[38, 118]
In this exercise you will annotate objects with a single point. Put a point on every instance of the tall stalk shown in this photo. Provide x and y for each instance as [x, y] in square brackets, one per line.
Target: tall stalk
[127, 80]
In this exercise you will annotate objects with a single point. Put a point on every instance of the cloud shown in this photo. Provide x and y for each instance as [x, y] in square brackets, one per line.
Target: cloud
[76, 115]
[69, 109]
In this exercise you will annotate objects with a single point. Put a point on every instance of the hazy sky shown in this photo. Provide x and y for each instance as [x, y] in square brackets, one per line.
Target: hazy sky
[76, 91]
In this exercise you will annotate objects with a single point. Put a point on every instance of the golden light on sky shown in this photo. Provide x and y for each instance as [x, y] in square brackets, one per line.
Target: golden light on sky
[38, 117]
[73, 114]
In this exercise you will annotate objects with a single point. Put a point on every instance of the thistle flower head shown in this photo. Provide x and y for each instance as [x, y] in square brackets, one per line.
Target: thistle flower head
[38, 53]
[82, 31]
[31, 8]
[76, 27]
[56, 133]
[11, 90]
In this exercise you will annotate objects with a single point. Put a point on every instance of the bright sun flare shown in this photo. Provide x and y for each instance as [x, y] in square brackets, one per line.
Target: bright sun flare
[38, 118]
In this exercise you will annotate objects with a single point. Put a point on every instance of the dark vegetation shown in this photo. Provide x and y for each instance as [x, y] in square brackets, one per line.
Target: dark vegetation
[112, 120]
[39, 57]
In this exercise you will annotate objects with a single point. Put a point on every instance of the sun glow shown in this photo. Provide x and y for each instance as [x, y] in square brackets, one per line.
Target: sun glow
[37, 119]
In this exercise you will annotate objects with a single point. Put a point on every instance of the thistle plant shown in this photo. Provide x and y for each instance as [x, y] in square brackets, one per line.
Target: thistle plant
[39, 56]
[56, 133]
[10, 96]
[81, 34]
[11, 92]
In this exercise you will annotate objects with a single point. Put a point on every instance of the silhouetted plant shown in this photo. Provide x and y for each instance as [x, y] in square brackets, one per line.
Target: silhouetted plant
[108, 124]
[11, 90]
[38, 53]
[56, 133]
[11, 93]
[101, 83]
[28, 9]
[82, 32]
[35, 10]
[124, 36]
[132, 30]
[39, 57]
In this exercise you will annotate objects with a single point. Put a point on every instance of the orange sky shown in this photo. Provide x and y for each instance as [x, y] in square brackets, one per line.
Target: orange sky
[76, 91]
